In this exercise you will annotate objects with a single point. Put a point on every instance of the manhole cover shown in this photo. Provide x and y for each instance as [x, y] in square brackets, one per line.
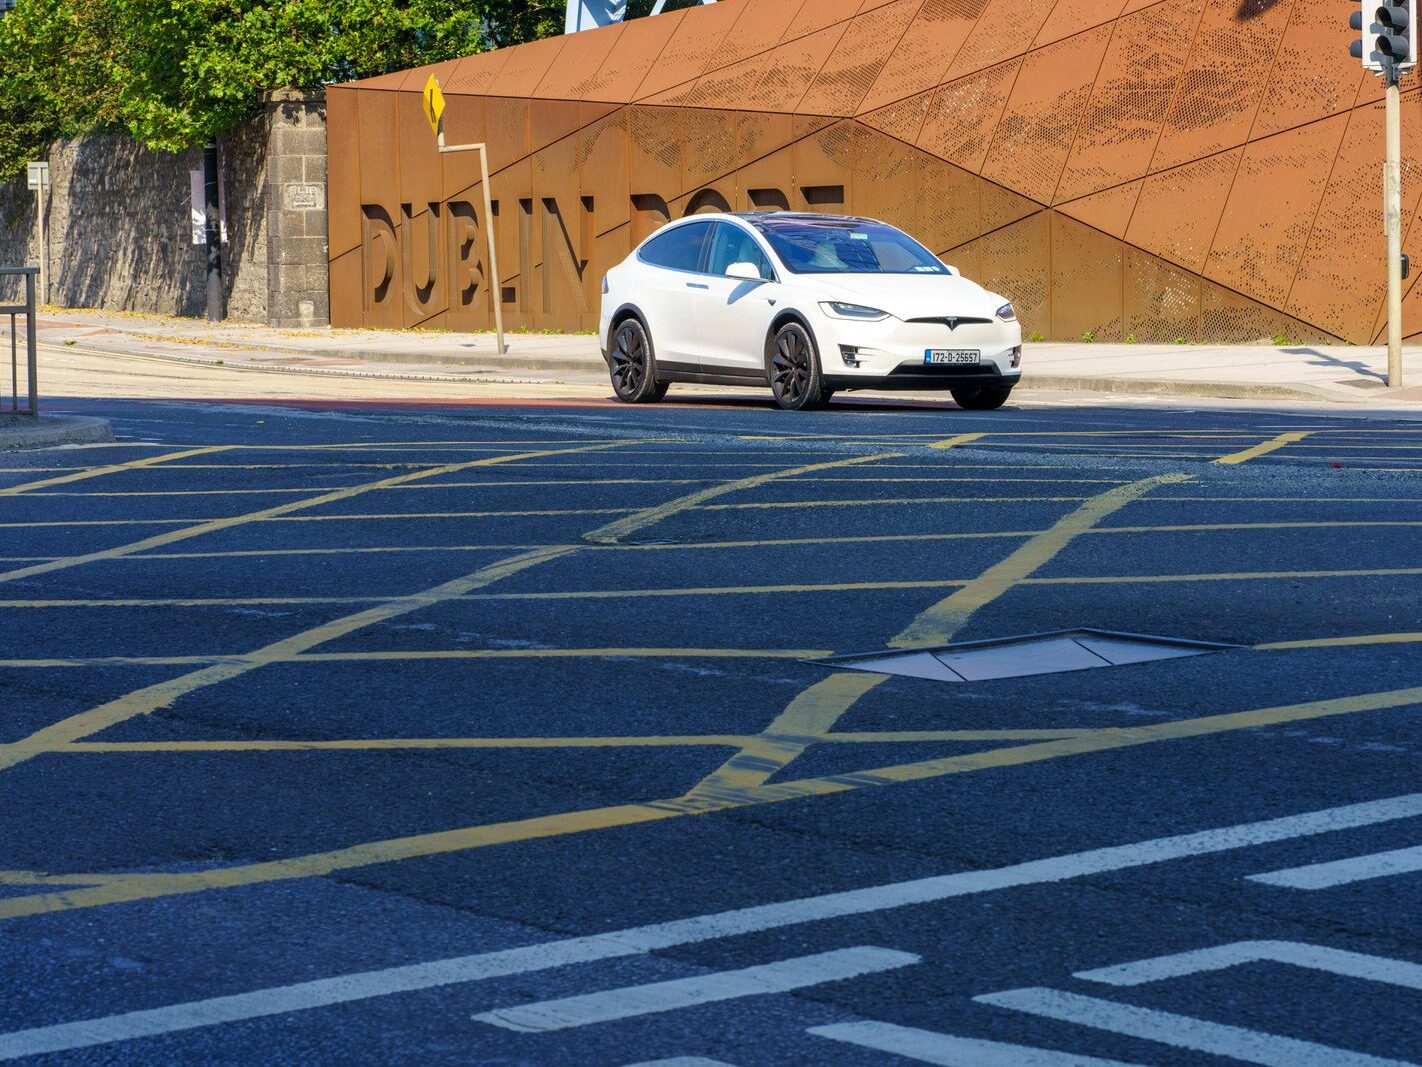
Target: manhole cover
[1018, 657]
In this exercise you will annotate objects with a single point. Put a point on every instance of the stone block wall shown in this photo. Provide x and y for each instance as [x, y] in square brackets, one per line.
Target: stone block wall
[296, 210]
[120, 231]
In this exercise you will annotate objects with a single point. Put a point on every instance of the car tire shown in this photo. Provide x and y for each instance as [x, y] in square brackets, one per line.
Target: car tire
[796, 378]
[981, 398]
[632, 365]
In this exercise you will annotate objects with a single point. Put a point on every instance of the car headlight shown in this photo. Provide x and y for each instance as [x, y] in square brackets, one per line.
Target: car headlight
[1006, 314]
[836, 309]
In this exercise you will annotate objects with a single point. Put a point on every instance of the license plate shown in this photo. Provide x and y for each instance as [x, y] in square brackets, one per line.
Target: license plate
[952, 355]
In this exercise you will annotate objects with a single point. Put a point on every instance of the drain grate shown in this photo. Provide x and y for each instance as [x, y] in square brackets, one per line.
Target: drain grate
[1018, 657]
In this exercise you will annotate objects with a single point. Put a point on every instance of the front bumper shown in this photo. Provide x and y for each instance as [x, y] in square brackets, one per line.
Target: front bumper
[890, 354]
[920, 377]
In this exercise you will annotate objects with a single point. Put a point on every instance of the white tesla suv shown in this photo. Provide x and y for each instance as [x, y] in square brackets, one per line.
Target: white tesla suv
[807, 304]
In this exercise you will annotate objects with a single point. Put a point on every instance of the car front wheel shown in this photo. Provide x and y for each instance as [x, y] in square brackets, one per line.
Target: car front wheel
[633, 366]
[796, 379]
[981, 398]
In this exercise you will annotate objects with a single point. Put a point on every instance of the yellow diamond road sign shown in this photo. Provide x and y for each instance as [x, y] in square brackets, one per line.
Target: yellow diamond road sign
[434, 103]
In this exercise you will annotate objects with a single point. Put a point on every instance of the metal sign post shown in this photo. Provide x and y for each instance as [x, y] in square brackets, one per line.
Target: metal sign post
[37, 175]
[434, 111]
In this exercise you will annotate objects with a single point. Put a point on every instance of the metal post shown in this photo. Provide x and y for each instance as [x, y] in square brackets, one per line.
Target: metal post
[216, 302]
[14, 367]
[31, 351]
[40, 199]
[495, 285]
[493, 250]
[1392, 220]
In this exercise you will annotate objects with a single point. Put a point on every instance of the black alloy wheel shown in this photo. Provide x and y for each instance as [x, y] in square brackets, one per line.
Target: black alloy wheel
[633, 367]
[981, 398]
[795, 376]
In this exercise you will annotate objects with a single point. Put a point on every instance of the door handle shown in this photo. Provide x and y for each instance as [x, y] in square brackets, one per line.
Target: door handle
[696, 285]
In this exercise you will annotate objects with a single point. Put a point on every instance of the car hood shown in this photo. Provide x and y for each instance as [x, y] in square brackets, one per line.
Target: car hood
[909, 296]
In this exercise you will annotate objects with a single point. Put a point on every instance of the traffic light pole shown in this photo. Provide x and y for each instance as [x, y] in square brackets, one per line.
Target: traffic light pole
[1392, 221]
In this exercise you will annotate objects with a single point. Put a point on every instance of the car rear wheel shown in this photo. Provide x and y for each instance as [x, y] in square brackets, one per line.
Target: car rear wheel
[981, 398]
[633, 366]
[796, 379]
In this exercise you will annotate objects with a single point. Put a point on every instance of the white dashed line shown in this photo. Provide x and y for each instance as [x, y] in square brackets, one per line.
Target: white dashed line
[1342, 872]
[926, 1046]
[341, 989]
[628, 1002]
[1182, 1031]
[1293, 953]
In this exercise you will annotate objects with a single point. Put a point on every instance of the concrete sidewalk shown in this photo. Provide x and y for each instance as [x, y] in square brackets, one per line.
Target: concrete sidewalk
[1346, 374]
[21, 431]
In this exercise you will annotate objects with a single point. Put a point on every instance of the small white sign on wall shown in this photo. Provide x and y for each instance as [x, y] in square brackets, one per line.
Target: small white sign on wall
[304, 196]
[198, 209]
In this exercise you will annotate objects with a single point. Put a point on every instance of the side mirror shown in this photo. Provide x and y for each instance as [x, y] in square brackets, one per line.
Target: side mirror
[747, 272]
[953, 270]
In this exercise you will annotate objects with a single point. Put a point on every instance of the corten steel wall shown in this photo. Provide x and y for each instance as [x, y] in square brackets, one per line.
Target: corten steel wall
[1163, 169]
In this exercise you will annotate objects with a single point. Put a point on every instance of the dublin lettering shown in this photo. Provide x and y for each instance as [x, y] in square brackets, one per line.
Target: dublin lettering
[433, 252]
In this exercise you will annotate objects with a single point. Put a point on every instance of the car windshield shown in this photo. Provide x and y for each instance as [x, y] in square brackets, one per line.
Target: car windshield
[847, 246]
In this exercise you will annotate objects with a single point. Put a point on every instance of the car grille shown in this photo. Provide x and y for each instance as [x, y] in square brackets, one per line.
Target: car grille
[952, 321]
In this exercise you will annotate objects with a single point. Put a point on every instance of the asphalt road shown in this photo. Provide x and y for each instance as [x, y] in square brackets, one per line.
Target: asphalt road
[487, 734]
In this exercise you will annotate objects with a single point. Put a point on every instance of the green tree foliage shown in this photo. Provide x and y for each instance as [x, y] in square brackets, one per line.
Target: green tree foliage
[175, 73]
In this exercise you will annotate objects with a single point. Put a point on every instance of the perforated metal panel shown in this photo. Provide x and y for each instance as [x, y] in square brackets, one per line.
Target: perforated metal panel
[1202, 169]
[852, 67]
[964, 114]
[1039, 123]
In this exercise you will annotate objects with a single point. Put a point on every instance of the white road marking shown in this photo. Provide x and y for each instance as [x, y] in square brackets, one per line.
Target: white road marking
[949, 1050]
[1341, 872]
[1294, 953]
[628, 1002]
[278, 1000]
[683, 1061]
[1182, 1031]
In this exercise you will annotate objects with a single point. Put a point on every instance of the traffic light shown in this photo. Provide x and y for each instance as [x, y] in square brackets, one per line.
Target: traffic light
[1396, 29]
[1388, 41]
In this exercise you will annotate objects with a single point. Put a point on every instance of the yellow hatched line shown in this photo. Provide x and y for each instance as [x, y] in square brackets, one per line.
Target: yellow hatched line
[937, 583]
[378, 744]
[724, 590]
[613, 532]
[266, 514]
[1008, 433]
[1408, 638]
[163, 694]
[960, 439]
[414, 655]
[816, 710]
[692, 546]
[112, 468]
[1263, 449]
[121, 888]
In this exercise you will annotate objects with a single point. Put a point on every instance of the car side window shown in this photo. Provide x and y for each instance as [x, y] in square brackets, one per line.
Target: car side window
[731, 244]
[679, 248]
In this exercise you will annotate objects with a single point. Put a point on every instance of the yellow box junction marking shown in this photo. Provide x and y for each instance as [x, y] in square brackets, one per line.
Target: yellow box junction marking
[817, 709]
[112, 888]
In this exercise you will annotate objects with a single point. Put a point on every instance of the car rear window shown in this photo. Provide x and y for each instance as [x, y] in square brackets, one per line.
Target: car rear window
[679, 248]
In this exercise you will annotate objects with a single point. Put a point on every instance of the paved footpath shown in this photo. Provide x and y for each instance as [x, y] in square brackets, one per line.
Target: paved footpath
[1293, 372]
[495, 730]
